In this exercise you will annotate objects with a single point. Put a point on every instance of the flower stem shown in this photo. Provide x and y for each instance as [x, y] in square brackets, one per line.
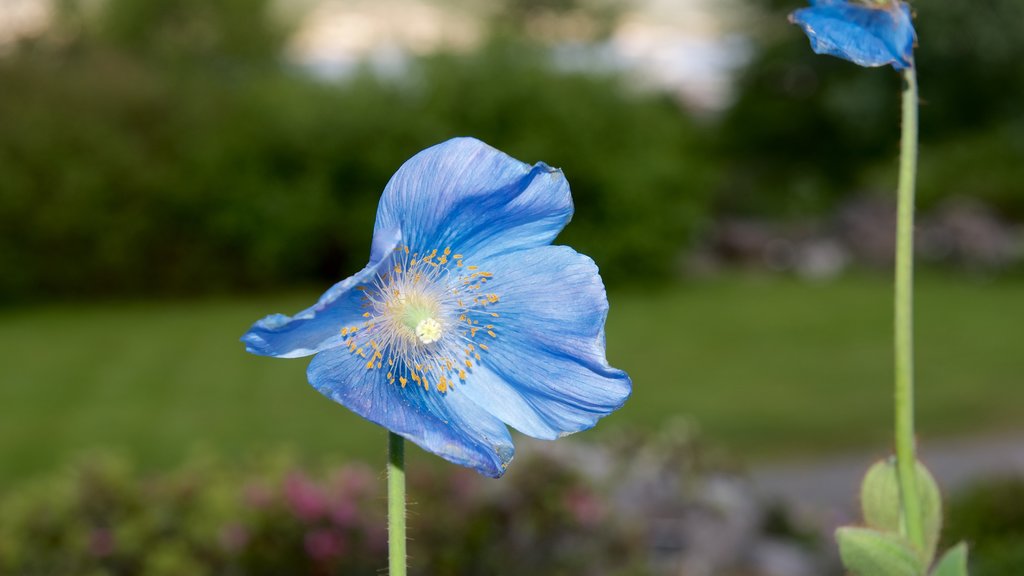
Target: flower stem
[904, 317]
[396, 505]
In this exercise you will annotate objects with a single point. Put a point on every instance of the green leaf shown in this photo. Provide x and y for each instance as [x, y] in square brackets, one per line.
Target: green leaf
[867, 552]
[953, 562]
[882, 509]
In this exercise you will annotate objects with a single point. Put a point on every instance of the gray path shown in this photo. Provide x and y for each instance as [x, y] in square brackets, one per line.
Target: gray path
[830, 485]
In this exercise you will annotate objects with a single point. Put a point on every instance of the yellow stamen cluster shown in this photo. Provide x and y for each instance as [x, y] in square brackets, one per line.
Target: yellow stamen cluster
[422, 319]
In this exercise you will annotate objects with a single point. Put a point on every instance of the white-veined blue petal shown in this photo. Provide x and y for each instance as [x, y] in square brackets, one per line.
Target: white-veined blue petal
[545, 371]
[449, 425]
[318, 327]
[479, 201]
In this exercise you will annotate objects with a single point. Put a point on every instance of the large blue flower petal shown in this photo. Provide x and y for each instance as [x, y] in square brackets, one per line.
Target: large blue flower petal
[545, 372]
[864, 35]
[543, 369]
[449, 425]
[464, 194]
[318, 327]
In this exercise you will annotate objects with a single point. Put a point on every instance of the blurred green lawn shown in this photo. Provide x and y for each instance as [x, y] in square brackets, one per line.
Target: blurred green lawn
[768, 367]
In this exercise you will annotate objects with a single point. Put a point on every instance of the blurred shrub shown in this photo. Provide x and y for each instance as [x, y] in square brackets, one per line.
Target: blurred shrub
[990, 518]
[224, 33]
[636, 163]
[102, 519]
[165, 148]
[984, 165]
[655, 504]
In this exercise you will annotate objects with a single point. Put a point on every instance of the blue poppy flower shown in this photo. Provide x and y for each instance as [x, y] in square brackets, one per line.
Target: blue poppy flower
[874, 34]
[466, 319]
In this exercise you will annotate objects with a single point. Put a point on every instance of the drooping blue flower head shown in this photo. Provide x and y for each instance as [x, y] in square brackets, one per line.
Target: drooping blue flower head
[466, 319]
[874, 34]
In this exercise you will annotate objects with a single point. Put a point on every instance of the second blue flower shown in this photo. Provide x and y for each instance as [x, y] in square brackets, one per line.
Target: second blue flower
[867, 34]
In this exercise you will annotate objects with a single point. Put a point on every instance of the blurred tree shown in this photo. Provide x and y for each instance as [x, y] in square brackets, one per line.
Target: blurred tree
[164, 148]
[639, 177]
[220, 31]
[549, 21]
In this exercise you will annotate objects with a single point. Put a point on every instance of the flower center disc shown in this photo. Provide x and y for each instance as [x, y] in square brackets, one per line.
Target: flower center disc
[422, 319]
[428, 330]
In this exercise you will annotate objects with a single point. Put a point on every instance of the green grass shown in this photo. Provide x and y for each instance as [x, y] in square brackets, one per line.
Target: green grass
[767, 367]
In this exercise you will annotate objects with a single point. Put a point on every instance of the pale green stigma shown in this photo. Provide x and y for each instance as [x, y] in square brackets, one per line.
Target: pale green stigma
[418, 316]
[422, 318]
[428, 330]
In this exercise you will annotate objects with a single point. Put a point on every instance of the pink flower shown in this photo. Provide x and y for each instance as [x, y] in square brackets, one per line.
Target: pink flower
[355, 479]
[306, 499]
[323, 544]
[344, 513]
[257, 495]
[234, 537]
[101, 542]
[584, 507]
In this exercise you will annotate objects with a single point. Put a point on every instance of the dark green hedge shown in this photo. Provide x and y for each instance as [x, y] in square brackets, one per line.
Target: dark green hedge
[124, 174]
[164, 147]
[990, 518]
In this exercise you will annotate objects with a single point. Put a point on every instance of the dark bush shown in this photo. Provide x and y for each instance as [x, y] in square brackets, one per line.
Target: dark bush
[990, 518]
[163, 163]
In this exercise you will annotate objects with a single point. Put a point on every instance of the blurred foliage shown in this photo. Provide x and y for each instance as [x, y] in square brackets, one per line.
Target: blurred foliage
[984, 165]
[167, 147]
[806, 129]
[164, 147]
[221, 33]
[990, 518]
[654, 503]
[554, 21]
[639, 178]
[102, 518]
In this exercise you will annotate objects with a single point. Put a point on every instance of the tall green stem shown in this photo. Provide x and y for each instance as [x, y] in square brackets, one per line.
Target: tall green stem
[904, 318]
[396, 505]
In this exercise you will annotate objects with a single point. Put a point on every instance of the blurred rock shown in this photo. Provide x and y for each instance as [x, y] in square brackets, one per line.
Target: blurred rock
[699, 517]
[960, 233]
[743, 241]
[966, 233]
[777, 557]
[866, 225]
[821, 259]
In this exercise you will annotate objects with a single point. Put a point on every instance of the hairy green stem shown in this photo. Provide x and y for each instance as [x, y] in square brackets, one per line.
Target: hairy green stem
[904, 317]
[396, 505]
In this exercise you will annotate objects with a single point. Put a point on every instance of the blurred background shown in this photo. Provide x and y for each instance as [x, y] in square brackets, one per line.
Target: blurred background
[173, 170]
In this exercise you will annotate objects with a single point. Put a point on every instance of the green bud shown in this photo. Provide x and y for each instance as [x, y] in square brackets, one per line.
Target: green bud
[882, 508]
